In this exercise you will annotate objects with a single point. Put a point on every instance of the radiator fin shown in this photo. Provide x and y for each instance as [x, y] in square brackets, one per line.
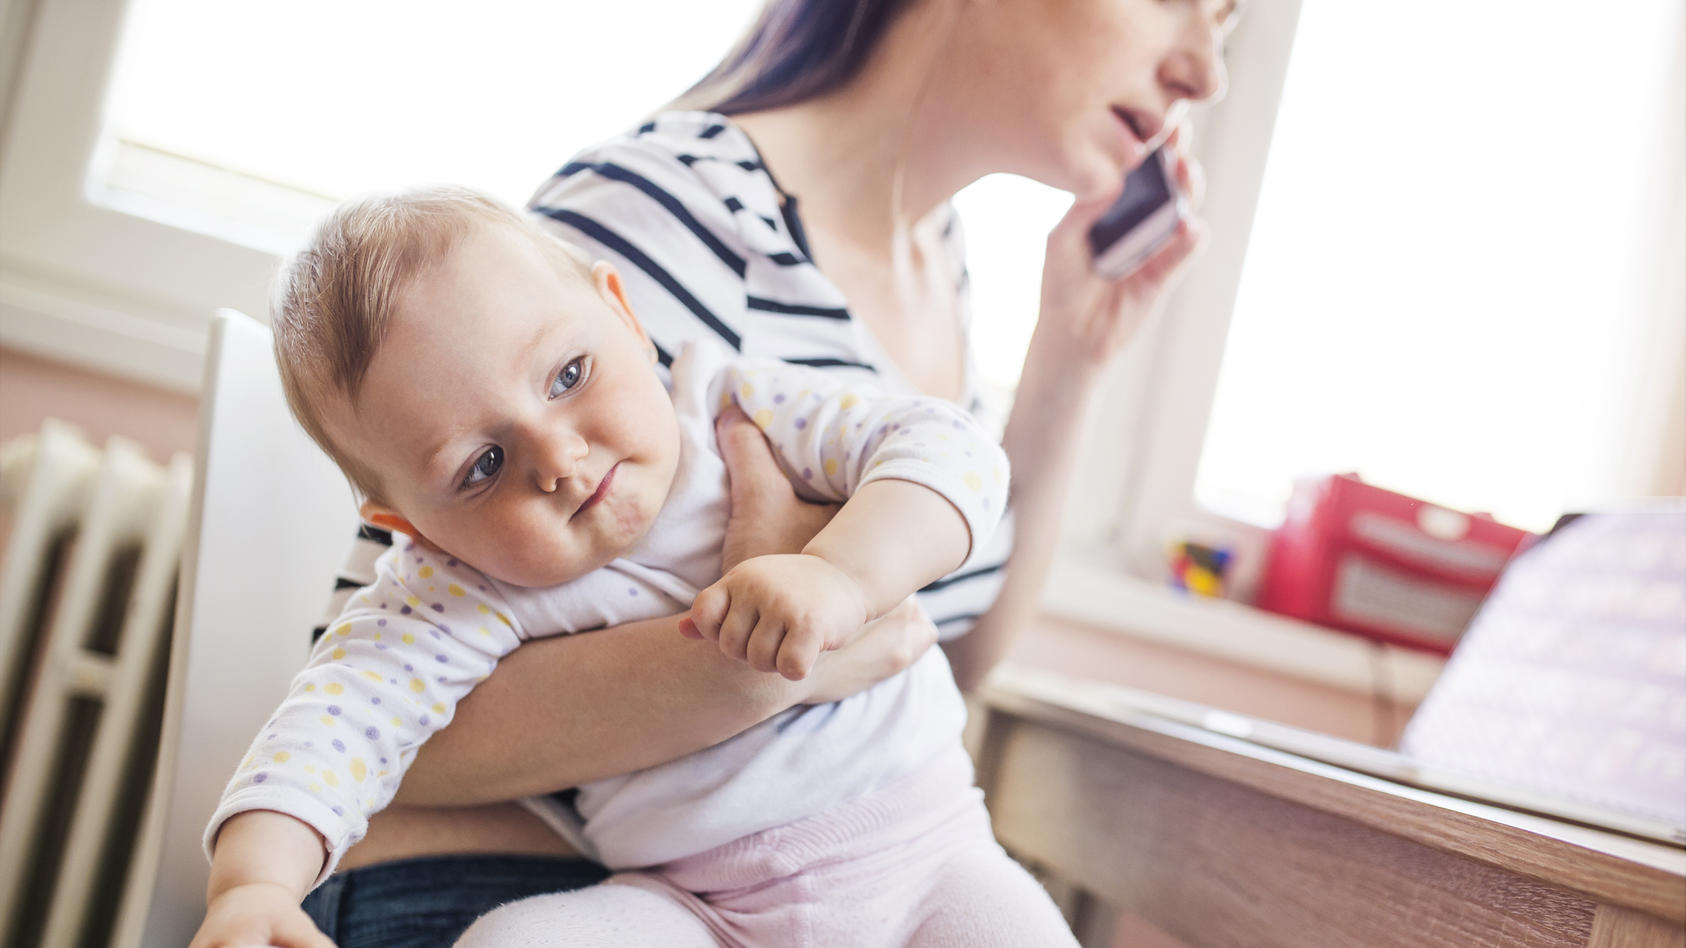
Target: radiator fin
[87, 596]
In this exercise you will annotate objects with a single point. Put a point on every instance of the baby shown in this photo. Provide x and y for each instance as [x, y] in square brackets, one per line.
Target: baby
[493, 397]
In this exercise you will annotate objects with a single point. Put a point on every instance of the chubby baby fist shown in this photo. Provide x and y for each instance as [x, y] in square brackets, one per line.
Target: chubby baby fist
[778, 613]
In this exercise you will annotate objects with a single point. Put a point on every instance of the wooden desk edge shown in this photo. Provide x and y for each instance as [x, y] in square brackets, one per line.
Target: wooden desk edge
[1612, 869]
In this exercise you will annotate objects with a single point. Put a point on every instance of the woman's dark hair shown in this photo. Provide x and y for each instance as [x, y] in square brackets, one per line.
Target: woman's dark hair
[796, 50]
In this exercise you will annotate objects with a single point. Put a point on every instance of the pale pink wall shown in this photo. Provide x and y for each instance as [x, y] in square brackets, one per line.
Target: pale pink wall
[32, 388]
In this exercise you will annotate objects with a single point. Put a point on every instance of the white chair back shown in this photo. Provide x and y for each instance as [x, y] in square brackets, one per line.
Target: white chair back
[271, 517]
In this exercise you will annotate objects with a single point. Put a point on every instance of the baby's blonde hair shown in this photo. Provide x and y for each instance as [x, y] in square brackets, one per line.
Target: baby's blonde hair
[334, 300]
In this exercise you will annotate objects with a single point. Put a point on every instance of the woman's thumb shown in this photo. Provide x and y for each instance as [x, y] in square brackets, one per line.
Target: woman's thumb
[750, 468]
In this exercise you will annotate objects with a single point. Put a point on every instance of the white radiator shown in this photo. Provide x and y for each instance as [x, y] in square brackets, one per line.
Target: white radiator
[87, 593]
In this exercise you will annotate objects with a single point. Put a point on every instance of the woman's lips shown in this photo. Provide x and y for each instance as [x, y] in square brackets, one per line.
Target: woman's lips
[1133, 136]
[598, 494]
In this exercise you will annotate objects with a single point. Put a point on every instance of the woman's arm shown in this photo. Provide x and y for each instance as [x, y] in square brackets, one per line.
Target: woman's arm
[561, 711]
[1085, 321]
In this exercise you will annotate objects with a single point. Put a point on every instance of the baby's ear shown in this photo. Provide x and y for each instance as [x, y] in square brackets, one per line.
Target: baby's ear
[379, 515]
[607, 281]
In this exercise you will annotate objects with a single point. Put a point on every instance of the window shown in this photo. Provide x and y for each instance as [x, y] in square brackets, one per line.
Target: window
[1444, 285]
[163, 153]
[330, 99]
[1457, 273]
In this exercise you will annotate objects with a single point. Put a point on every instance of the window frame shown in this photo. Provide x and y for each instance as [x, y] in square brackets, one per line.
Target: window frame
[1144, 441]
[81, 279]
[1144, 437]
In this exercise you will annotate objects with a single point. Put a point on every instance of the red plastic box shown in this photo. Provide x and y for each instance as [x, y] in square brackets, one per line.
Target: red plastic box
[1389, 567]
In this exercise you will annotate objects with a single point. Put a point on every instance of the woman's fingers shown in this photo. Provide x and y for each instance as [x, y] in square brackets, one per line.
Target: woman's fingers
[753, 475]
[1168, 261]
[767, 516]
[1072, 232]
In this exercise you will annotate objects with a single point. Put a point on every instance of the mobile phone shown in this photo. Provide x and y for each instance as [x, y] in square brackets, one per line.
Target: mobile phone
[1144, 217]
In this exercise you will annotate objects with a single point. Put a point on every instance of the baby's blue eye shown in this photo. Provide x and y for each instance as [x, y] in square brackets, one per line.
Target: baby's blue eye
[485, 467]
[567, 378]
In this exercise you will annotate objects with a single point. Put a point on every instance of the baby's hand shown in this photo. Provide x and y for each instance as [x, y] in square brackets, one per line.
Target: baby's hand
[778, 613]
[258, 913]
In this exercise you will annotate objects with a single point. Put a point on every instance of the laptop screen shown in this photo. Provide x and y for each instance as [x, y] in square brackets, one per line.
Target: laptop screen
[1570, 683]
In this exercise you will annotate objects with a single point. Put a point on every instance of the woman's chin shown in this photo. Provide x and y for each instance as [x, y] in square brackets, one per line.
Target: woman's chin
[1095, 180]
[1091, 173]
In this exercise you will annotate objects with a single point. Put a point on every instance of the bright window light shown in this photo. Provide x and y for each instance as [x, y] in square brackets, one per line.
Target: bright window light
[1446, 285]
[332, 98]
[251, 119]
[1007, 220]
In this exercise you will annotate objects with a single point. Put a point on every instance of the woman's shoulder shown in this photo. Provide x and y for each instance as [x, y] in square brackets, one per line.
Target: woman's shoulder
[699, 162]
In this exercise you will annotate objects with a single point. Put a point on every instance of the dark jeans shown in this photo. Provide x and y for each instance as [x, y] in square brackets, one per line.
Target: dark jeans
[428, 902]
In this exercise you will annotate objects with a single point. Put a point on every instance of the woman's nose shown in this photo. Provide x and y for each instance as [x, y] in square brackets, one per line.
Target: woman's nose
[1195, 70]
[556, 455]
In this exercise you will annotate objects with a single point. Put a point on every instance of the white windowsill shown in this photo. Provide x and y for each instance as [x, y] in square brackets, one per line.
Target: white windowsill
[1081, 588]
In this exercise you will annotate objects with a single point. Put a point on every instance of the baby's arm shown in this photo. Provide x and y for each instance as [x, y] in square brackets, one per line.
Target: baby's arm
[386, 675]
[265, 864]
[923, 485]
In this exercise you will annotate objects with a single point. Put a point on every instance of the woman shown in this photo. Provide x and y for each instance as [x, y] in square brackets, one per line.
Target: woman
[796, 203]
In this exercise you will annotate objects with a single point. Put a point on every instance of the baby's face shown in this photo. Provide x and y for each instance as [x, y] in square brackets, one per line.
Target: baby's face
[513, 416]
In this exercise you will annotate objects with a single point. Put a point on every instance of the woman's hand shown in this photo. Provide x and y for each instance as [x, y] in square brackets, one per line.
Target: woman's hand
[1086, 318]
[885, 646]
[767, 516]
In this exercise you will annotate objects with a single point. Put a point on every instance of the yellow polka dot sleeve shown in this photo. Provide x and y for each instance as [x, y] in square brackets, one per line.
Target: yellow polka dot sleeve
[387, 674]
[831, 436]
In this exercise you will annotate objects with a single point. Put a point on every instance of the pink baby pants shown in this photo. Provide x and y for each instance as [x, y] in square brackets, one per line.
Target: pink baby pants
[913, 865]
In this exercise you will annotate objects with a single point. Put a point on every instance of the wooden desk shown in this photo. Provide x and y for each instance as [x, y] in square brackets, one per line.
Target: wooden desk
[1219, 841]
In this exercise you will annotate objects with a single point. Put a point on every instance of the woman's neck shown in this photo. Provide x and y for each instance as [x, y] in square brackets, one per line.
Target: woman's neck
[872, 159]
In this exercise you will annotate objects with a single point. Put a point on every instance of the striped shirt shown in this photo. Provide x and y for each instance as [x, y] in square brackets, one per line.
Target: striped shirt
[707, 245]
